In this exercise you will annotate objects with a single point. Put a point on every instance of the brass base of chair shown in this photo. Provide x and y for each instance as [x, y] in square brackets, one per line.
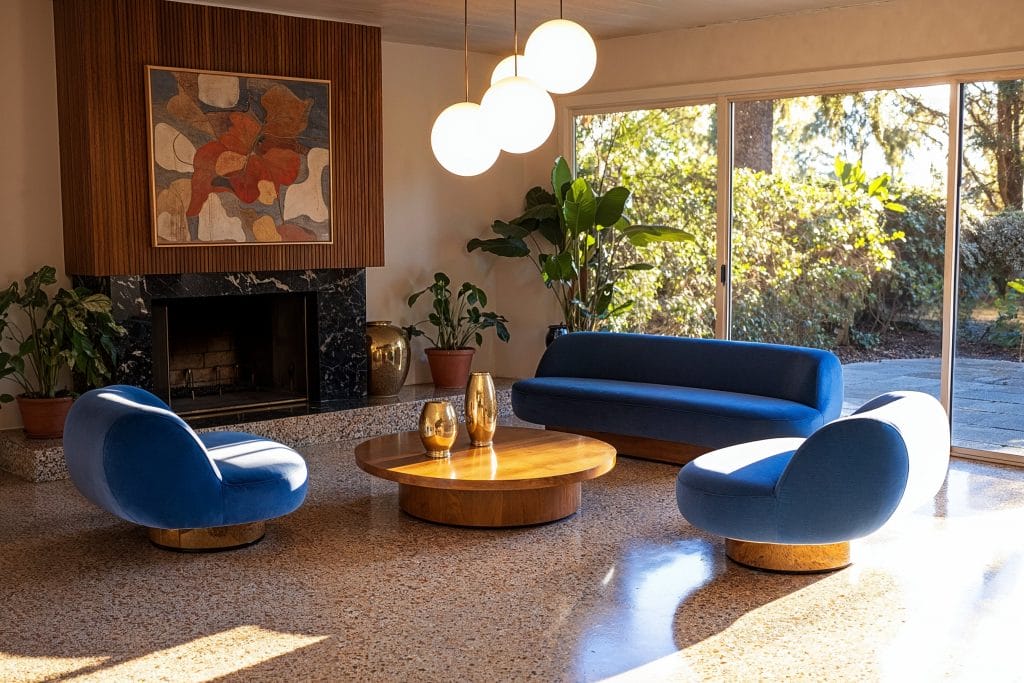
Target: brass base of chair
[797, 559]
[208, 540]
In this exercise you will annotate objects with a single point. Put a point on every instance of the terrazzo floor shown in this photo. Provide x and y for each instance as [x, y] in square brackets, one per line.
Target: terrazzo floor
[348, 588]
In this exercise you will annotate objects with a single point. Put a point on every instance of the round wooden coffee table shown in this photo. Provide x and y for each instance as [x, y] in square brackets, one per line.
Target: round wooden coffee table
[528, 476]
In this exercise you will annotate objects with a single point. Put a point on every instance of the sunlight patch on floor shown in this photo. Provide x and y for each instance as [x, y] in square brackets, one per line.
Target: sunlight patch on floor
[38, 669]
[202, 659]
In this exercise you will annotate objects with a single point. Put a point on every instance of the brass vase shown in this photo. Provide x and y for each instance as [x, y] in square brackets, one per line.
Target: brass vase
[438, 428]
[481, 409]
[387, 352]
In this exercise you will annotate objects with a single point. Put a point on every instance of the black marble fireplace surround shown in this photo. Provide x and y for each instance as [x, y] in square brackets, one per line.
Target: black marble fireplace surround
[337, 360]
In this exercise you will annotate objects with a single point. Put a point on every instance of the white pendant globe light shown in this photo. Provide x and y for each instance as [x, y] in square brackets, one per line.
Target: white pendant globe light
[462, 141]
[461, 137]
[519, 113]
[562, 54]
[510, 65]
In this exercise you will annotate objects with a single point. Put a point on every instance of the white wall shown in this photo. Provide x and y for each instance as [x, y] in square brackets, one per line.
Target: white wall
[30, 235]
[430, 214]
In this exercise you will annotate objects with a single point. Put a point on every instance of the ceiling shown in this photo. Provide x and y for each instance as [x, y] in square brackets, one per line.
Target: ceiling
[439, 22]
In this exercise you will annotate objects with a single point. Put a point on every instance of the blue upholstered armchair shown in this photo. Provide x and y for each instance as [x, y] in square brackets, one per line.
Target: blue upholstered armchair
[130, 454]
[794, 504]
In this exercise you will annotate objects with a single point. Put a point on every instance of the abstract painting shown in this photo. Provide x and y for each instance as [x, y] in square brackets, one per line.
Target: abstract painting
[238, 159]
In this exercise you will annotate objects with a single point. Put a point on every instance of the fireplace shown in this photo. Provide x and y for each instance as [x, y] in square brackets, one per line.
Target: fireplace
[232, 353]
[224, 343]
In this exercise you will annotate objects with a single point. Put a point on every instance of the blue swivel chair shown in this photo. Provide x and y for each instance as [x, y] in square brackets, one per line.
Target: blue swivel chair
[795, 504]
[130, 454]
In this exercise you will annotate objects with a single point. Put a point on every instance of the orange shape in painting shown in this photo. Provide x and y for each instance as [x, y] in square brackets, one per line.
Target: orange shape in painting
[268, 192]
[264, 230]
[229, 162]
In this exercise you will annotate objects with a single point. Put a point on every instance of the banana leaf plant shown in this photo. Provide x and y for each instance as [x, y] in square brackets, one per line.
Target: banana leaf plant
[577, 241]
[72, 331]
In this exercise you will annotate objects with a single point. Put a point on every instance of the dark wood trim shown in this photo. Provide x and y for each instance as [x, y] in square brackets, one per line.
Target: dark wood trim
[102, 49]
[641, 447]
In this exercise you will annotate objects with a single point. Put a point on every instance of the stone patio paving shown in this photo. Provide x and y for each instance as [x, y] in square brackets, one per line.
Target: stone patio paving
[988, 396]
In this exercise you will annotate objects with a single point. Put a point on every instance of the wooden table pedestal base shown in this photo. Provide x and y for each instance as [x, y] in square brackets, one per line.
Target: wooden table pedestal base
[518, 507]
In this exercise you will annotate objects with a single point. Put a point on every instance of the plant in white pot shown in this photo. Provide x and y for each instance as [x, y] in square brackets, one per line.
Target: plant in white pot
[67, 336]
[458, 322]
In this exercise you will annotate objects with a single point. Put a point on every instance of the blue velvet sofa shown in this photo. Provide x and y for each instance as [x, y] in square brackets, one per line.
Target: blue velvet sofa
[128, 453]
[673, 398]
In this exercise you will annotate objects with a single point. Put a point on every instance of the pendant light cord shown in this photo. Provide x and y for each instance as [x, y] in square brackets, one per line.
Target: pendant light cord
[560, 15]
[515, 39]
[465, 43]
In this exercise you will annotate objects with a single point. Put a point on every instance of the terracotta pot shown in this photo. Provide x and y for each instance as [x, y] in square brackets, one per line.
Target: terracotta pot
[450, 367]
[44, 417]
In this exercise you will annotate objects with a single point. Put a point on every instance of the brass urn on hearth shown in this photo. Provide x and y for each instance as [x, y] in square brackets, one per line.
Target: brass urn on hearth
[438, 428]
[387, 352]
[481, 409]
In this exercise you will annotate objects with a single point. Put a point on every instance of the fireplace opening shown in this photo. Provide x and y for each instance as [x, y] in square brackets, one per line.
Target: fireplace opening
[214, 355]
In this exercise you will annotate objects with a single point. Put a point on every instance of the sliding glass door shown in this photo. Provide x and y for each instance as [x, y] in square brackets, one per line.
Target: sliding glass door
[988, 375]
[838, 223]
[667, 159]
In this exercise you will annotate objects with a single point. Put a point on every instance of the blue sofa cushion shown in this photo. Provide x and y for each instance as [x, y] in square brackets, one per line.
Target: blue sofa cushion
[262, 479]
[704, 417]
[733, 492]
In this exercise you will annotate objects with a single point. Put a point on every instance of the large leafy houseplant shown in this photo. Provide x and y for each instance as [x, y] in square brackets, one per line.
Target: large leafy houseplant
[458, 321]
[581, 244]
[69, 335]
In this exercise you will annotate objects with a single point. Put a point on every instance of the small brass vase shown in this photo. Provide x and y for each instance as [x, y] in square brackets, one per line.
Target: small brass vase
[481, 409]
[438, 428]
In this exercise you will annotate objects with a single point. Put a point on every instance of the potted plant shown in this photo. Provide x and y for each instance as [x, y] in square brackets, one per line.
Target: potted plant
[577, 241]
[458, 321]
[69, 336]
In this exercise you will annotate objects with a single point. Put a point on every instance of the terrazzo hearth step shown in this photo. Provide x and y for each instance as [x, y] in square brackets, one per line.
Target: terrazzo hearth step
[43, 460]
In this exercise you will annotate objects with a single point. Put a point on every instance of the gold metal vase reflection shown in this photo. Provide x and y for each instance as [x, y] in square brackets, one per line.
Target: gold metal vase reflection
[481, 409]
[387, 350]
[438, 428]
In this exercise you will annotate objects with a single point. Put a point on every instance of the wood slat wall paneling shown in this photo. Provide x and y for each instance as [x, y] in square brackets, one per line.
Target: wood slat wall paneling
[103, 47]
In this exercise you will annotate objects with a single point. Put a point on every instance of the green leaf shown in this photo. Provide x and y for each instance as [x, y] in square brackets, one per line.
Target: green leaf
[512, 229]
[646, 235]
[538, 196]
[1016, 285]
[895, 207]
[639, 266]
[511, 247]
[611, 205]
[560, 177]
[580, 208]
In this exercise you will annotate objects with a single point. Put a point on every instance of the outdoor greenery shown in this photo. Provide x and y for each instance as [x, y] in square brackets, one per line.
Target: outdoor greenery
[581, 244]
[456, 318]
[838, 208]
[72, 331]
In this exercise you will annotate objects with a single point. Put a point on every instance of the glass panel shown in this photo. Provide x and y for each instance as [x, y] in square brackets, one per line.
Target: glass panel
[988, 376]
[838, 231]
[667, 158]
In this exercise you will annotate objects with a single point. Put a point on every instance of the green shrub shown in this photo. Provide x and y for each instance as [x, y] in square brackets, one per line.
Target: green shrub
[1000, 243]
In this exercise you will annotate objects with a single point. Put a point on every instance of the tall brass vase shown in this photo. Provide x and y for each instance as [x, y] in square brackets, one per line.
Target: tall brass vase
[481, 409]
[387, 351]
